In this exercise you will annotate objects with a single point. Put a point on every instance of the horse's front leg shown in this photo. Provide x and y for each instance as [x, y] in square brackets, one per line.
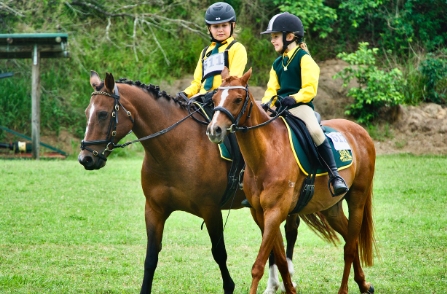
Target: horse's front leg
[154, 229]
[271, 239]
[214, 225]
[291, 233]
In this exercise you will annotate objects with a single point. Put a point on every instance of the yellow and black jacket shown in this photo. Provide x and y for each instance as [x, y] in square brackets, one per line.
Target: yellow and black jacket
[237, 60]
[294, 74]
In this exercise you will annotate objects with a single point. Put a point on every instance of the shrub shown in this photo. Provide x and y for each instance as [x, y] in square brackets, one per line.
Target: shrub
[376, 88]
[434, 72]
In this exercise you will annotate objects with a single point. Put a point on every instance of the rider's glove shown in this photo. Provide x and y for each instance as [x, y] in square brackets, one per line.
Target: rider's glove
[182, 96]
[288, 101]
[285, 102]
[265, 106]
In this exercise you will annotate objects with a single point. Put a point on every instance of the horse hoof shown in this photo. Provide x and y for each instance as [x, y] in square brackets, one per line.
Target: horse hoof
[283, 289]
[370, 290]
[271, 289]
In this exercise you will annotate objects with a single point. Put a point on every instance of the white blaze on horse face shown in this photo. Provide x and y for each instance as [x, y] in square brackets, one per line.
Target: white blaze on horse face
[223, 97]
[91, 112]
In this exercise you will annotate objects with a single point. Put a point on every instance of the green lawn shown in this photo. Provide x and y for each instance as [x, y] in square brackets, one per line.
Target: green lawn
[67, 230]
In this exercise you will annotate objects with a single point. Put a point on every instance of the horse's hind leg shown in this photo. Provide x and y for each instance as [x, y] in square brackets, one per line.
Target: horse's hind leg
[349, 230]
[154, 230]
[214, 225]
[291, 233]
[273, 280]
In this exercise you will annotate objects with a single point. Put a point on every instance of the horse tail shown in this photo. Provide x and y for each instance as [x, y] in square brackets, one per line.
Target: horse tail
[319, 225]
[367, 241]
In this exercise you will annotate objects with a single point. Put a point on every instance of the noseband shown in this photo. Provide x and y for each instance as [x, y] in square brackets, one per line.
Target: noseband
[235, 121]
[111, 133]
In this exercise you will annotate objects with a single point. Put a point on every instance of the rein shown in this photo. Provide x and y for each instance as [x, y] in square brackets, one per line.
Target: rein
[113, 124]
[235, 121]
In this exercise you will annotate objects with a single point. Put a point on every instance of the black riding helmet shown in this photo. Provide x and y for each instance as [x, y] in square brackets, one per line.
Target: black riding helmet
[220, 12]
[285, 23]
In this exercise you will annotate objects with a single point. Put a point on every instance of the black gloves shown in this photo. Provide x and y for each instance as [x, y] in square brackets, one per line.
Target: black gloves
[285, 102]
[265, 106]
[288, 101]
[182, 96]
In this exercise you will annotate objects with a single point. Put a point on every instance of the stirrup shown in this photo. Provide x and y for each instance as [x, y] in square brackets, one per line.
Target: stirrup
[331, 179]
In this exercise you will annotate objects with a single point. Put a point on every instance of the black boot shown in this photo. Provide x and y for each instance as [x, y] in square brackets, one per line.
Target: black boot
[245, 203]
[338, 184]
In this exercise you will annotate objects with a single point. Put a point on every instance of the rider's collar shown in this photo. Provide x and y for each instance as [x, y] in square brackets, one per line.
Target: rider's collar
[227, 41]
[290, 52]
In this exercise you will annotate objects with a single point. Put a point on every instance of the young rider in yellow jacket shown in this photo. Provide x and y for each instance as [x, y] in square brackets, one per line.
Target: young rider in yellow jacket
[224, 50]
[294, 76]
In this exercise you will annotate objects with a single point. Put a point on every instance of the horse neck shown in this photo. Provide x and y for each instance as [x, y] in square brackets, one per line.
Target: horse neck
[154, 114]
[256, 143]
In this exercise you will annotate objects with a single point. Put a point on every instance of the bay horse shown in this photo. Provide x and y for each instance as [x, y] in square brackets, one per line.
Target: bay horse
[272, 181]
[181, 170]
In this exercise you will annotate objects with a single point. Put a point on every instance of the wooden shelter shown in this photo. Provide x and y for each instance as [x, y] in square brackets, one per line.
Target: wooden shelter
[34, 46]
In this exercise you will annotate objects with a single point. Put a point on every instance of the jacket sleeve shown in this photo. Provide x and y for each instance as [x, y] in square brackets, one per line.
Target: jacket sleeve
[310, 73]
[196, 83]
[237, 60]
[272, 87]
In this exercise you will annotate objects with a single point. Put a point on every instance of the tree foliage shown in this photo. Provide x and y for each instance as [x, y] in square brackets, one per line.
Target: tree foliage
[154, 40]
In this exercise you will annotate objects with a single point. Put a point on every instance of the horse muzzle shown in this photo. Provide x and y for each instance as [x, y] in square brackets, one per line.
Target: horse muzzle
[90, 162]
[215, 133]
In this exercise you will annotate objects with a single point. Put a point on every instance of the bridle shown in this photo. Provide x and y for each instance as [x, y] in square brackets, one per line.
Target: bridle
[235, 121]
[111, 132]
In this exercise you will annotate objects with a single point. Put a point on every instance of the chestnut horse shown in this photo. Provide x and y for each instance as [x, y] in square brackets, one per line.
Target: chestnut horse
[273, 179]
[182, 169]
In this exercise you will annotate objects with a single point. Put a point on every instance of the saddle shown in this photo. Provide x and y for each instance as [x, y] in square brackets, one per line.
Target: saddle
[307, 156]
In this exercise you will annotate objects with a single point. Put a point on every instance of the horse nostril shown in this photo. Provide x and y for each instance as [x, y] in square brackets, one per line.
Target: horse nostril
[218, 131]
[86, 161]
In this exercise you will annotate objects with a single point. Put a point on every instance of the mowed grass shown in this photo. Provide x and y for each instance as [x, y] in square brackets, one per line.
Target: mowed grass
[67, 230]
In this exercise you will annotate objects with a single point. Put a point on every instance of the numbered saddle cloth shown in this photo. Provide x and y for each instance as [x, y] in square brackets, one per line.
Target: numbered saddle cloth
[340, 148]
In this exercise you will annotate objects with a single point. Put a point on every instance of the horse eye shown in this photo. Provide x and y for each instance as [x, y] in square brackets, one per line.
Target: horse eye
[238, 100]
[102, 115]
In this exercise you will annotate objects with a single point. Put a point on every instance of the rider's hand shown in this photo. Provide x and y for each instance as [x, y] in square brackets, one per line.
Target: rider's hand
[265, 106]
[288, 101]
[182, 96]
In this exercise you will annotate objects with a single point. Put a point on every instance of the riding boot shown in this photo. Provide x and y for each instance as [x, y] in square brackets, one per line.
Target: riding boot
[338, 184]
[245, 203]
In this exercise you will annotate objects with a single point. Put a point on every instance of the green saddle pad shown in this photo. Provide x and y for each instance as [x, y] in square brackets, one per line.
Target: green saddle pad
[224, 153]
[340, 148]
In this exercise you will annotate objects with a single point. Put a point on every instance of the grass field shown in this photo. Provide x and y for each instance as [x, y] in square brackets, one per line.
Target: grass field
[67, 230]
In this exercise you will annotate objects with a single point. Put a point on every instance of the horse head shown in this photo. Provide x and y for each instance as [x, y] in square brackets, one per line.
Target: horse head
[103, 114]
[234, 101]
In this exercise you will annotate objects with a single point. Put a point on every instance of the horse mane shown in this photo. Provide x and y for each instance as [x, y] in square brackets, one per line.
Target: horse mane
[154, 90]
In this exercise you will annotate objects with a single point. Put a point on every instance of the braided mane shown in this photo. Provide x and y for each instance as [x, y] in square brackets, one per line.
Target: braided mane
[153, 89]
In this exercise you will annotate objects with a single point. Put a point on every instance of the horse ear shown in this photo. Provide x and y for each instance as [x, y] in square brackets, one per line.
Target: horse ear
[110, 82]
[95, 81]
[225, 73]
[246, 77]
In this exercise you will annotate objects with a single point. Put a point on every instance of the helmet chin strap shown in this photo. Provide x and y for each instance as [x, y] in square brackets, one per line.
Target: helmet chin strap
[285, 43]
